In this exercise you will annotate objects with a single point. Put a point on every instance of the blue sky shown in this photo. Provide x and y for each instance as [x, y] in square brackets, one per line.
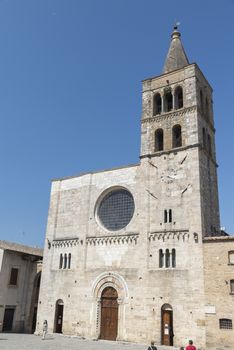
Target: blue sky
[70, 92]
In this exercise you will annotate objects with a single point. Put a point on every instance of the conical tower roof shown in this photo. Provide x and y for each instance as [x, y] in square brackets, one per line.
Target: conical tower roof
[176, 57]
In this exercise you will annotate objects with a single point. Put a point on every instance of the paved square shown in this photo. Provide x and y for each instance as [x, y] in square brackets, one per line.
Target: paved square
[10, 341]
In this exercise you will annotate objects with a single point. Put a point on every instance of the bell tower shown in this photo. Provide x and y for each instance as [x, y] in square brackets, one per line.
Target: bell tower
[178, 141]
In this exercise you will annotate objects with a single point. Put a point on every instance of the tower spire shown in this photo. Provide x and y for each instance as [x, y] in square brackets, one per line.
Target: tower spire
[176, 56]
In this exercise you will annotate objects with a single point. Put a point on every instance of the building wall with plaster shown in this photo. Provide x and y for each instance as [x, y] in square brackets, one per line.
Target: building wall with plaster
[18, 296]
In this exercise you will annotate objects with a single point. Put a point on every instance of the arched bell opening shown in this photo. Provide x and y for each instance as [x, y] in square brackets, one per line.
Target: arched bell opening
[157, 104]
[179, 103]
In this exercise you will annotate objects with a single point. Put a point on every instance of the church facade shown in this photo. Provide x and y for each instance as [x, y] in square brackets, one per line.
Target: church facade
[124, 252]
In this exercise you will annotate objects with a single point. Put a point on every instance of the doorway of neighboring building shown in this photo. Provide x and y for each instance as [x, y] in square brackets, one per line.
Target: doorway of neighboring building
[58, 325]
[34, 319]
[167, 325]
[8, 319]
[109, 314]
[35, 297]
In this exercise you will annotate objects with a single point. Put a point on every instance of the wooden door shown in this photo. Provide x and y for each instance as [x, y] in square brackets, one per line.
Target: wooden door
[167, 328]
[109, 314]
[8, 319]
[59, 319]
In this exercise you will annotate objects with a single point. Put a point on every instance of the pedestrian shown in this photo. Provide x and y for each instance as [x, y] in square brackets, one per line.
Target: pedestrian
[190, 346]
[152, 346]
[44, 329]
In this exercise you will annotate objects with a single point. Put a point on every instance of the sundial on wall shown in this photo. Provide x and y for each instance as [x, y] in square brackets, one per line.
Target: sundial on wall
[169, 175]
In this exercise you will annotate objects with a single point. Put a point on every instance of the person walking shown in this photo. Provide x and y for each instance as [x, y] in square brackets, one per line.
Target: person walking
[152, 346]
[44, 329]
[190, 346]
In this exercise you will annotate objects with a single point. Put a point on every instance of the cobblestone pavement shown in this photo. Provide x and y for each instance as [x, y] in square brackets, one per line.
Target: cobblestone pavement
[9, 341]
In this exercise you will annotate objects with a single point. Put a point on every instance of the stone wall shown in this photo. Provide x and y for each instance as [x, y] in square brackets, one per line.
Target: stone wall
[218, 271]
[17, 296]
[126, 259]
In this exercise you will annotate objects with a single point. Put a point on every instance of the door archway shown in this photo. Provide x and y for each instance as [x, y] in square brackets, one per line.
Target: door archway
[109, 314]
[34, 302]
[167, 333]
[58, 319]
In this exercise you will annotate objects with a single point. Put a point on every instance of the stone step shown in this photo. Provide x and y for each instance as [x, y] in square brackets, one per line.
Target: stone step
[163, 347]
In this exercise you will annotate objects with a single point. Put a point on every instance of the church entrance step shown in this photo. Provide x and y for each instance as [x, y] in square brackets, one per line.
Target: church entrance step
[163, 347]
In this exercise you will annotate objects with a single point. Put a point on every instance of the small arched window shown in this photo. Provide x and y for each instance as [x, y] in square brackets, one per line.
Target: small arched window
[168, 100]
[176, 136]
[173, 258]
[165, 216]
[204, 137]
[157, 105]
[158, 145]
[179, 97]
[207, 109]
[201, 101]
[69, 261]
[209, 144]
[232, 286]
[65, 261]
[161, 258]
[170, 215]
[61, 261]
[167, 258]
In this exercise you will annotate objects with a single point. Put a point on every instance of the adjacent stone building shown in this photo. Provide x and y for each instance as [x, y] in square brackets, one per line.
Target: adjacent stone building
[219, 291]
[124, 256]
[20, 272]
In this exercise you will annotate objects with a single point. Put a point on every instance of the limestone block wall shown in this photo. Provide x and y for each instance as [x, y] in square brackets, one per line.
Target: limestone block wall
[127, 259]
[72, 216]
[209, 195]
[112, 254]
[218, 272]
[172, 182]
[181, 286]
[142, 292]
[207, 158]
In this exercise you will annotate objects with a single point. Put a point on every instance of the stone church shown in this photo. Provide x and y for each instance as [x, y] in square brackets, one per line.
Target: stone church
[124, 254]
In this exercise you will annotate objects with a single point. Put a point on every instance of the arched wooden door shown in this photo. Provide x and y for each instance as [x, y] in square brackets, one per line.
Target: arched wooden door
[109, 314]
[167, 325]
[58, 322]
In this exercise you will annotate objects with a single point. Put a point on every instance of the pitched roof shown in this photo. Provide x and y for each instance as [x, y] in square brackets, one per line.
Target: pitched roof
[176, 56]
[19, 248]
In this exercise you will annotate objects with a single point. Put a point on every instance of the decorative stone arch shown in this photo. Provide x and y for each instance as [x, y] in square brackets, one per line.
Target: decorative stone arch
[104, 280]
